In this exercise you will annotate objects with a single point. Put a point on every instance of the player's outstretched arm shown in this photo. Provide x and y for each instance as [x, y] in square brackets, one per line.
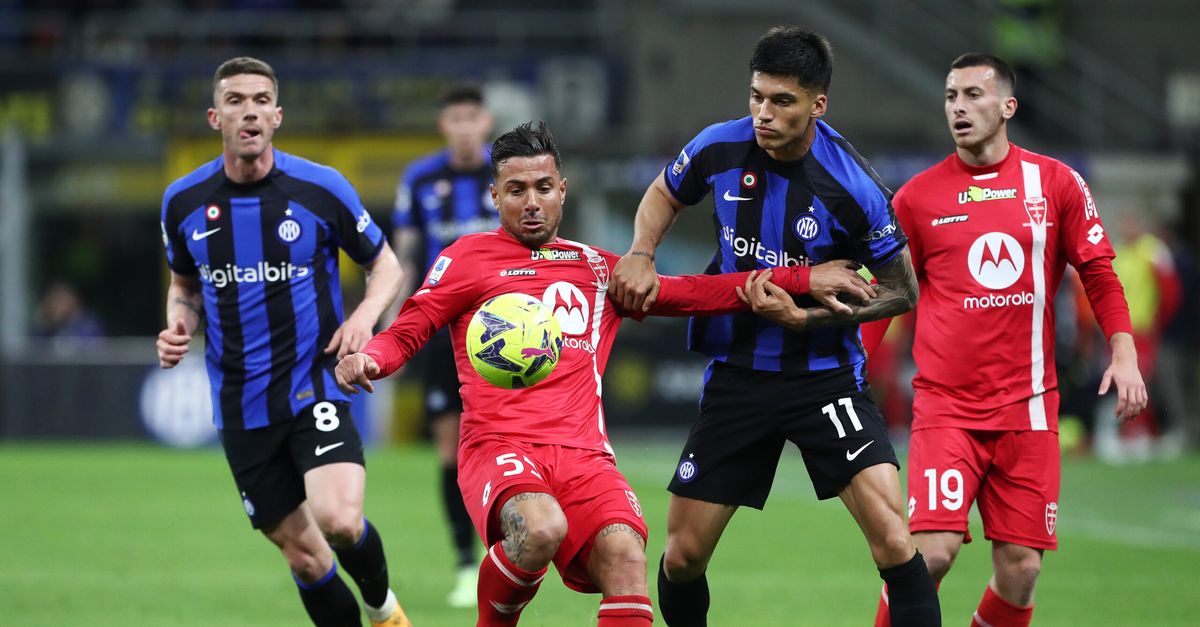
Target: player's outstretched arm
[895, 294]
[1123, 373]
[383, 283]
[356, 369]
[184, 307]
[635, 284]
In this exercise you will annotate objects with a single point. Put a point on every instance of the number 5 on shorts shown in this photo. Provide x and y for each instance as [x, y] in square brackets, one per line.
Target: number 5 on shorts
[517, 467]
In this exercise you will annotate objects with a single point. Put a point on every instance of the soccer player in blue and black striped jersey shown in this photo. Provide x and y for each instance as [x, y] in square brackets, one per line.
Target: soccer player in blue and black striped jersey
[787, 190]
[440, 198]
[252, 240]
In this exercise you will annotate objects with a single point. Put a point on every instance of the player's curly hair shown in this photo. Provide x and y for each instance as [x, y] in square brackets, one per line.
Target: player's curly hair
[792, 51]
[245, 65]
[524, 141]
[1004, 73]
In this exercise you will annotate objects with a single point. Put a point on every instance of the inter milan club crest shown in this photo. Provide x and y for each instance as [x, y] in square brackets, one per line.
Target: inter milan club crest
[1051, 517]
[749, 180]
[687, 469]
[213, 213]
[1036, 208]
[807, 227]
[288, 230]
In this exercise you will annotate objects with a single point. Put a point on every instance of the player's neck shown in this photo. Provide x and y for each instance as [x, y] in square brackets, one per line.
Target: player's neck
[985, 154]
[248, 171]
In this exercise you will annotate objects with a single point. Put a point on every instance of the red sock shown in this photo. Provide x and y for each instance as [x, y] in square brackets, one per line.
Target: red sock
[504, 589]
[882, 618]
[626, 611]
[996, 612]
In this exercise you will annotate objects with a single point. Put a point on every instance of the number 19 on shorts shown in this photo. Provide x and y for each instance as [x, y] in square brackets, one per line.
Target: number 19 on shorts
[951, 485]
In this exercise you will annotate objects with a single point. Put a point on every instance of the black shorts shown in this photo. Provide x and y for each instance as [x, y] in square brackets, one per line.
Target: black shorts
[269, 463]
[746, 416]
[441, 377]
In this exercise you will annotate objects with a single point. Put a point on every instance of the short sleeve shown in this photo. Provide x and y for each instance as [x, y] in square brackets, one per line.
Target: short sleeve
[686, 176]
[884, 238]
[356, 232]
[179, 258]
[1082, 235]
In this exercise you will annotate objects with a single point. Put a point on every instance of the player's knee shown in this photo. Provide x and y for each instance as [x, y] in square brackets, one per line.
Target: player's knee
[342, 528]
[683, 561]
[892, 547]
[545, 534]
[308, 566]
[1020, 572]
[938, 560]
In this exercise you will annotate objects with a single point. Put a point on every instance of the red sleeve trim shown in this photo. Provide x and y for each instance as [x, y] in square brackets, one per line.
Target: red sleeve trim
[398, 343]
[1106, 296]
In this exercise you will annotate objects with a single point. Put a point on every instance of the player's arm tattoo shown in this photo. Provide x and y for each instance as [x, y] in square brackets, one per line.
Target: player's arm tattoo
[185, 301]
[515, 529]
[895, 294]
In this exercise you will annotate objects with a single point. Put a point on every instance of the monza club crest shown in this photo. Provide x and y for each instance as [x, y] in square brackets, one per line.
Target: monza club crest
[1051, 517]
[1036, 208]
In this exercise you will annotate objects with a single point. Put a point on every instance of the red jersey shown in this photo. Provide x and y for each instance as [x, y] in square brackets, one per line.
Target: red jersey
[572, 279]
[989, 246]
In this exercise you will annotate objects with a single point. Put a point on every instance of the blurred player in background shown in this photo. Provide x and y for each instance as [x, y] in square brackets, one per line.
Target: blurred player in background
[991, 229]
[441, 198]
[787, 189]
[252, 240]
[535, 465]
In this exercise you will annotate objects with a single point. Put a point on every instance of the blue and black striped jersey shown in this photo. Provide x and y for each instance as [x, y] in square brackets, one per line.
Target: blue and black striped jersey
[828, 205]
[443, 203]
[266, 254]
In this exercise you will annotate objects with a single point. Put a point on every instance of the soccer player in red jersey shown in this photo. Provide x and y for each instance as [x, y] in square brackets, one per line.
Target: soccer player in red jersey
[535, 467]
[991, 229]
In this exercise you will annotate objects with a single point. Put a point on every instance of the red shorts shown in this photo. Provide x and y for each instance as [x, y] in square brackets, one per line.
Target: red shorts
[1014, 476]
[587, 485]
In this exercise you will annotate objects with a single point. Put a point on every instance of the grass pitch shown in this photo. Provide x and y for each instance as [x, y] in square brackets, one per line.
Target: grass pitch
[120, 535]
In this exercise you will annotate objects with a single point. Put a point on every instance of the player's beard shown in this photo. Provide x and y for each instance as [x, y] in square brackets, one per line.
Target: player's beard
[539, 238]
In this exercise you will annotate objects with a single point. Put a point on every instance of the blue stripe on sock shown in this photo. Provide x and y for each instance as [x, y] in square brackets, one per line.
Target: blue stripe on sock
[320, 582]
[363, 537]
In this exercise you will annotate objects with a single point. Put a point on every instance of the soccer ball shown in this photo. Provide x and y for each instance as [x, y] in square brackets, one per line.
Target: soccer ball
[514, 341]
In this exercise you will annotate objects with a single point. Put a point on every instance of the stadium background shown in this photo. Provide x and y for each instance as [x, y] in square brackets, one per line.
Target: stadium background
[113, 501]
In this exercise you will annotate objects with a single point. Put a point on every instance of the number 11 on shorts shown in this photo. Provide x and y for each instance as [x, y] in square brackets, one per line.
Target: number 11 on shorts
[831, 411]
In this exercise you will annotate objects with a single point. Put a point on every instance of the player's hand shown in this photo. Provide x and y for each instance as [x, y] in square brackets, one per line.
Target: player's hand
[635, 283]
[356, 369]
[1123, 372]
[172, 344]
[828, 280]
[351, 337]
[771, 301]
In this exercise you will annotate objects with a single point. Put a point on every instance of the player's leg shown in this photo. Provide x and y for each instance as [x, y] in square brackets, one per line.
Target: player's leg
[326, 446]
[945, 468]
[617, 565]
[729, 460]
[1019, 508]
[874, 499]
[443, 406]
[693, 529]
[326, 597]
[533, 526]
[272, 493]
[845, 445]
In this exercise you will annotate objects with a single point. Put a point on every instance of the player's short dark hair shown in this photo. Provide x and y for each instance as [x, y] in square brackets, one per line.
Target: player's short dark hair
[1004, 73]
[244, 65]
[462, 94]
[792, 51]
[524, 141]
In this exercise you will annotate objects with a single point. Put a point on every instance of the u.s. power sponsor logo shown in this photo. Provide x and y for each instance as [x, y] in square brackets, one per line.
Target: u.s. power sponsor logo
[555, 254]
[974, 193]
